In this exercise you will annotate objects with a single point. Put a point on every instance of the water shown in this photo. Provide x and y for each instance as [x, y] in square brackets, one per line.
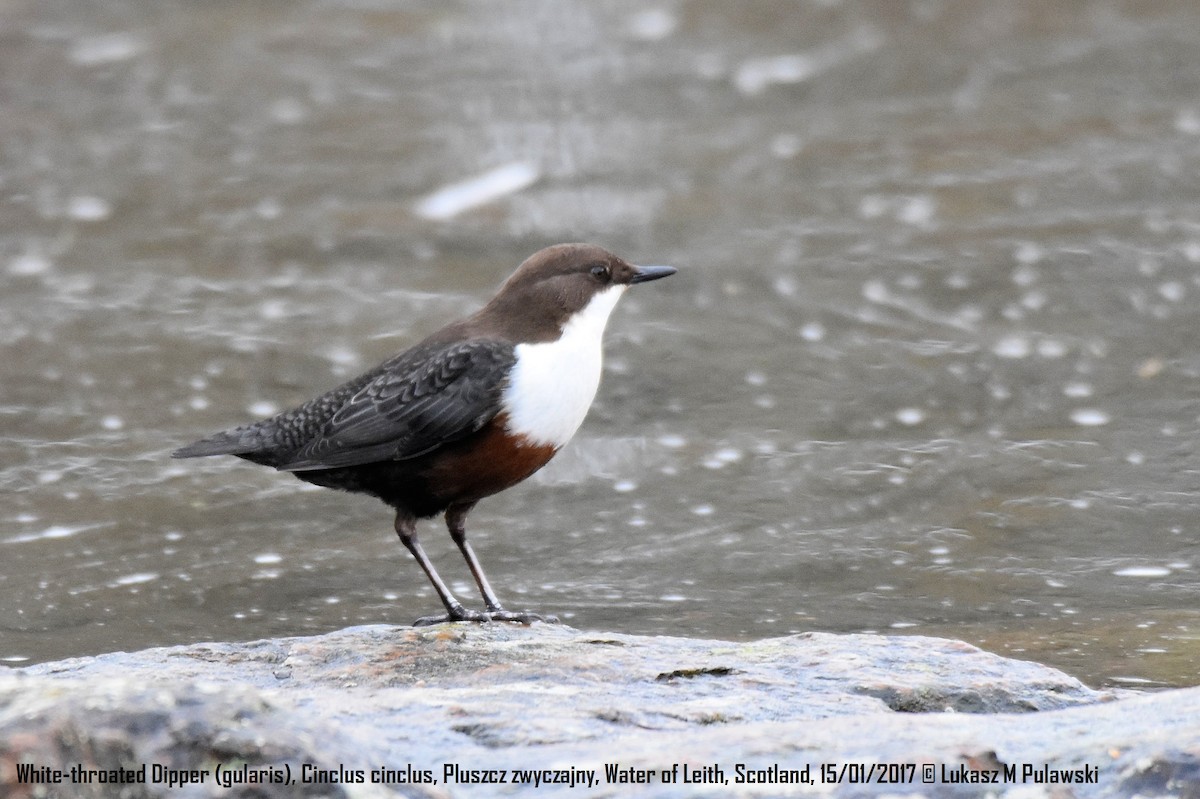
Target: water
[929, 364]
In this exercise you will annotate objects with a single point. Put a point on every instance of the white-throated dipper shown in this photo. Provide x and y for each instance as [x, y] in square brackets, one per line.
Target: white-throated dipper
[472, 410]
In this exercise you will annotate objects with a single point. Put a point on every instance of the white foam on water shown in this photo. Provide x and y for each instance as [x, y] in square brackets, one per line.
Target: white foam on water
[464, 195]
[263, 408]
[85, 208]
[652, 24]
[135, 579]
[1142, 571]
[28, 264]
[1090, 417]
[1012, 347]
[55, 531]
[106, 48]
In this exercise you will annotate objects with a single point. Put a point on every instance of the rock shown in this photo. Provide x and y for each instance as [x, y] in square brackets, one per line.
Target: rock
[431, 712]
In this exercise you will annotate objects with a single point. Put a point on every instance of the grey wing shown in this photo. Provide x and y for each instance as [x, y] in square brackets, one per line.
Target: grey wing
[412, 408]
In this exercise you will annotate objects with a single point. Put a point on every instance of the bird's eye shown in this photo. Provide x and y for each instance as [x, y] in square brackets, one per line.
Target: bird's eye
[600, 272]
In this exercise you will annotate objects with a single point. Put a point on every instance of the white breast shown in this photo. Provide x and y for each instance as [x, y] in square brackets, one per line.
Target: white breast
[553, 383]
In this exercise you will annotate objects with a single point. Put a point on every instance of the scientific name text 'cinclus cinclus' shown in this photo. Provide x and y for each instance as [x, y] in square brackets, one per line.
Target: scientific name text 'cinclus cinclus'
[472, 410]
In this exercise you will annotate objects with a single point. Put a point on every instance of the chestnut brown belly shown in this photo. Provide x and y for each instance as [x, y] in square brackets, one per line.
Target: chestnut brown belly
[485, 464]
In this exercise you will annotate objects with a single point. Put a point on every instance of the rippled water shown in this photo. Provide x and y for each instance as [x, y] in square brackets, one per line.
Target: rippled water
[929, 364]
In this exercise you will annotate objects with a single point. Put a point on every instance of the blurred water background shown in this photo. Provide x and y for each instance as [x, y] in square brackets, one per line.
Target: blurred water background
[929, 366]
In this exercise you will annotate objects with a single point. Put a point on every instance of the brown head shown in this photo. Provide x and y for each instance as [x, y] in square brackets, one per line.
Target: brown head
[553, 284]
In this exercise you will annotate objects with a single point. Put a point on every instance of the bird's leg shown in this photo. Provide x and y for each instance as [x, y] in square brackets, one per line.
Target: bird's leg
[406, 528]
[456, 523]
[456, 519]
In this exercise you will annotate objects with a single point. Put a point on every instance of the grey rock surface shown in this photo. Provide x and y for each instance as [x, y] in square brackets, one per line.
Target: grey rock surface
[391, 711]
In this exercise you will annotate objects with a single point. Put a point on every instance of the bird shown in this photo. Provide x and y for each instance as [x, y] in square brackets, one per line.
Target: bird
[471, 410]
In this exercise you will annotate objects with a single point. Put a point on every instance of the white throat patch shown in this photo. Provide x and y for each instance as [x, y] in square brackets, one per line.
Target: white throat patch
[553, 383]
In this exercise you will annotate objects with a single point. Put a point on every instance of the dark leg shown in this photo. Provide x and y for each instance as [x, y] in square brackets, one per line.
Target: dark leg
[456, 519]
[406, 528]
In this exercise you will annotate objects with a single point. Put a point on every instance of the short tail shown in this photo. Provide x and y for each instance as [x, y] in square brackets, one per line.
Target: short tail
[220, 444]
[257, 443]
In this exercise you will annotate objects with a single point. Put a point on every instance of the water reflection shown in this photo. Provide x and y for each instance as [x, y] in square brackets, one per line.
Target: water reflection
[929, 365]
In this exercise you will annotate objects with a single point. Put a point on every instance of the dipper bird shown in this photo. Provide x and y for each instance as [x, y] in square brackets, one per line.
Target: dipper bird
[472, 410]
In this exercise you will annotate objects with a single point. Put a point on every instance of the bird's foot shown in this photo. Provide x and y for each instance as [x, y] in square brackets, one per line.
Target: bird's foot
[520, 616]
[498, 614]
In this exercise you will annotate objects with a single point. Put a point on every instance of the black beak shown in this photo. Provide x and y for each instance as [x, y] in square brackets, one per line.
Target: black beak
[643, 274]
